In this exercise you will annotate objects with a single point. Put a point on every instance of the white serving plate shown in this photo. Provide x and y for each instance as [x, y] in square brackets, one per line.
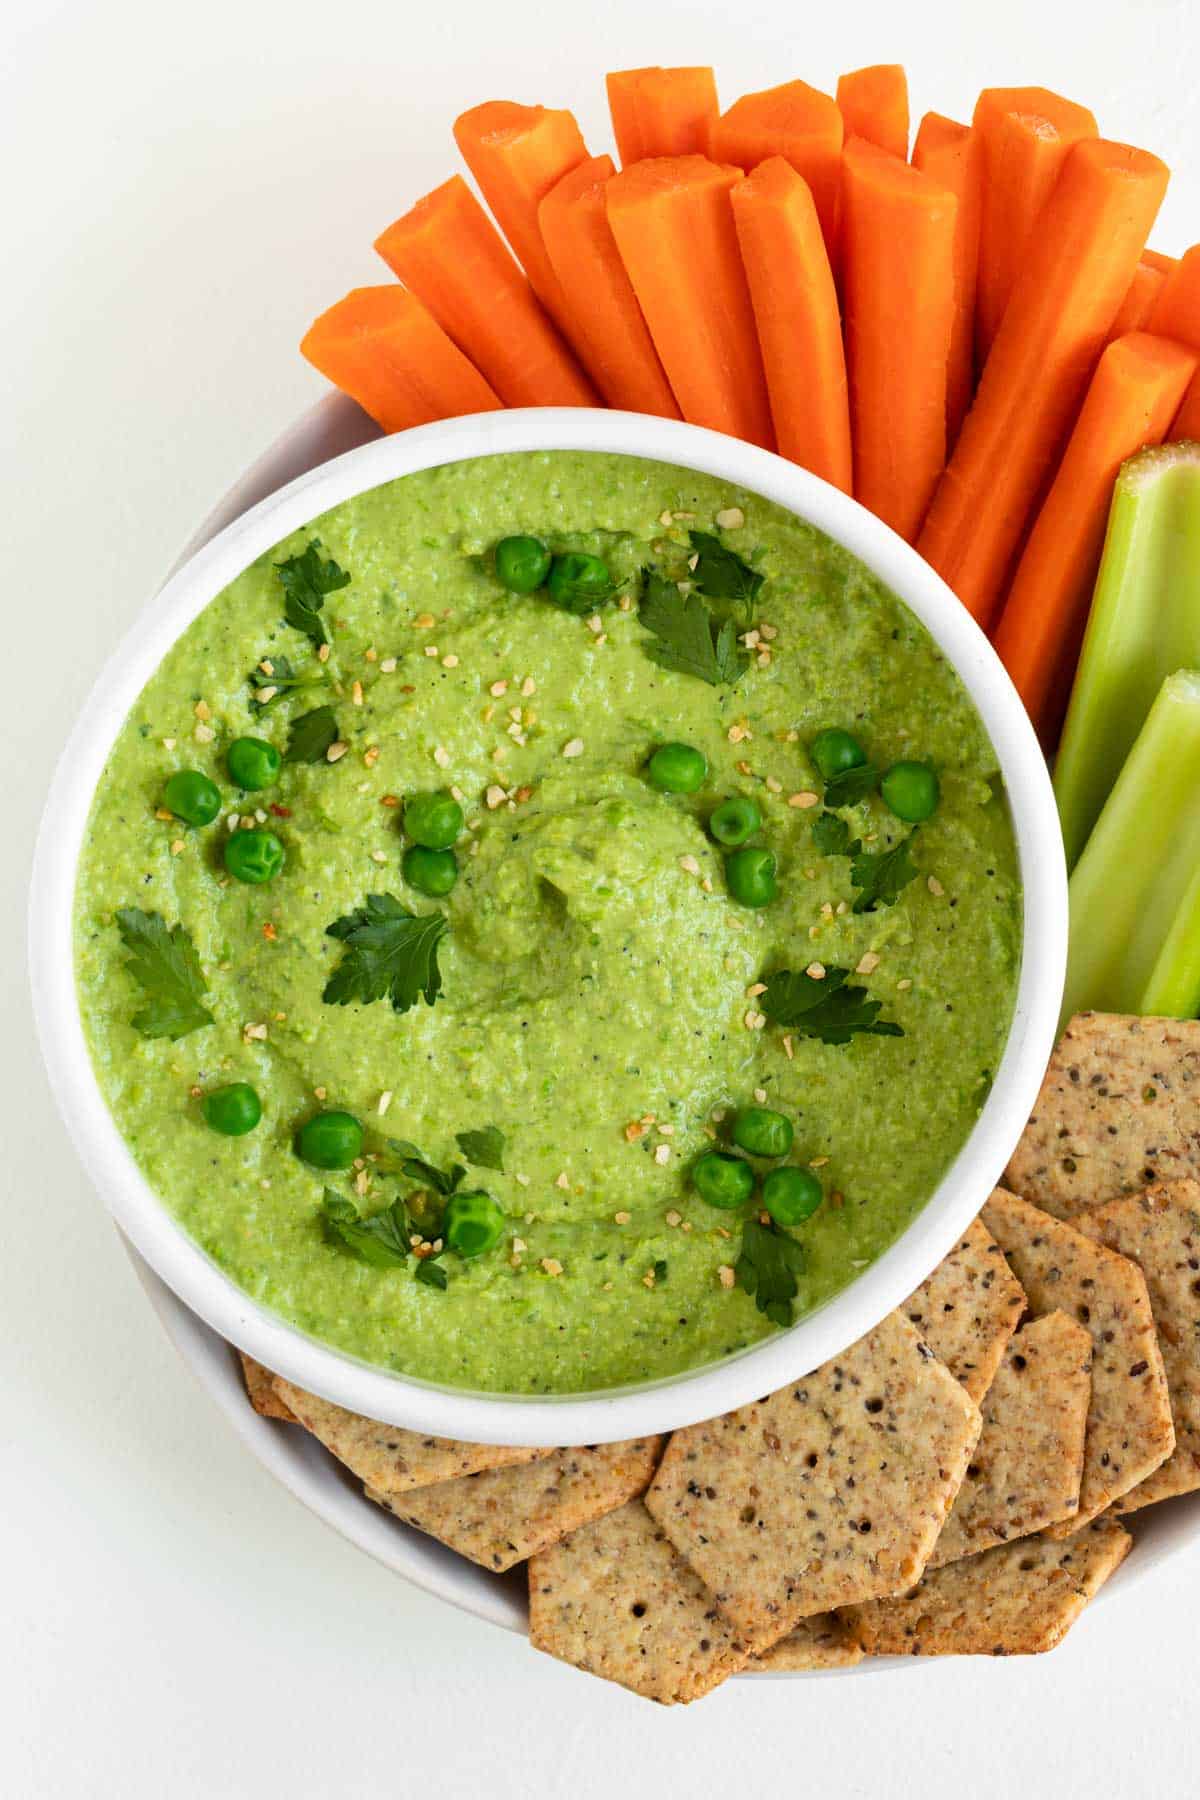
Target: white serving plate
[290, 1454]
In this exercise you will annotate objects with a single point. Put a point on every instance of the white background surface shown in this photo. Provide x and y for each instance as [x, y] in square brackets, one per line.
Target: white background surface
[185, 188]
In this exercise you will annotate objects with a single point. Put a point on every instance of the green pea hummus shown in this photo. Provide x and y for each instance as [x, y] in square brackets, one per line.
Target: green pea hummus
[599, 984]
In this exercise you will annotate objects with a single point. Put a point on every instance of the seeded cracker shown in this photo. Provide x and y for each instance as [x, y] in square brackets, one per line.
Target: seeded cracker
[503, 1516]
[832, 1490]
[1016, 1600]
[617, 1600]
[1129, 1430]
[1028, 1463]
[968, 1309]
[1119, 1107]
[387, 1458]
[260, 1390]
[1160, 1231]
[822, 1642]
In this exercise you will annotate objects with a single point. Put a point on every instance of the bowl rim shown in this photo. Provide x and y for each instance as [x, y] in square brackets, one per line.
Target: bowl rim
[714, 1388]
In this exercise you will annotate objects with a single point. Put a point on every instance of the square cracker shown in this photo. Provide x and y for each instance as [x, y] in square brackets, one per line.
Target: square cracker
[1129, 1430]
[1016, 1600]
[822, 1642]
[1028, 1463]
[833, 1489]
[1159, 1230]
[968, 1309]
[616, 1599]
[387, 1458]
[504, 1516]
[260, 1390]
[1120, 1106]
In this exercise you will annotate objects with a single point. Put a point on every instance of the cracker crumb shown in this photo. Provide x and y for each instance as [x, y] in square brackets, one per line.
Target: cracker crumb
[522, 1180]
[674, 1218]
[773, 785]
[935, 887]
[902, 987]
[385, 1100]
[574, 747]
[494, 797]
[168, 743]
[498, 689]
[424, 622]
[867, 963]
[689, 865]
[788, 1047]
[519, 1246]
[379, 856]
[254, 1034]
[177, 847]
[731, 518]
[662, 1155]
[760, 1094]
[754, 1021]
[320, 1093]
[441, 756]
[815, 971]
[726, 1276]
[561, 1180]
[202, 709]
[804, 799]
[450, 661]
[336, 751]
[356, 693]
[323, 653]
[755, 989]
[528, 686]
[551, 1265]
[370, 756]
[648, 1278]
[432, 650]
[621, 1218]
[818, 1162]
[595, 624]
[204, 734]
[371, 655]
[163, 813]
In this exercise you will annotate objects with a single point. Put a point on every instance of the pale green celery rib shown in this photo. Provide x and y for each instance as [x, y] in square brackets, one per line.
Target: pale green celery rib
[1144, 624]
[1135, 892]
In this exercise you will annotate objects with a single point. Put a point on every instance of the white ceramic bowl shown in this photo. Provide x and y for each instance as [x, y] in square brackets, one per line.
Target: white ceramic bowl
[615, 1413]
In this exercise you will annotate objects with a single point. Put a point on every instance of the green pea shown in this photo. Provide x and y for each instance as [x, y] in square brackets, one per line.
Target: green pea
[835, 751]
[522, 564]
[750, 876]
[911, 790]
[253, 856]
[330, 1140]
[791, 1195]
[762, 1132]
[432, 872]
[252, 763]
[232, 1110]
[735, 820]
[677, 769]
[192, 797]
[433, 820]
[472, 1223]
[723, 1180]
[578, 581]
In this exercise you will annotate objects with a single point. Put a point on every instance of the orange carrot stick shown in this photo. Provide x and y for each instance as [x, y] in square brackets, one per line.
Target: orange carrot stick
[1140, 299]
[516, 154]
[1186, 423]
[616, 345]
[661, 112]
[380, 346]
[796, 312]
[898, 281]
[949, 154]
[1158, 260]
[874, 105]
[450, 254]
[1176, 313]
[1138, 384]
[795, 121]
[673, 222]
[1024, 137]
[1076, 272]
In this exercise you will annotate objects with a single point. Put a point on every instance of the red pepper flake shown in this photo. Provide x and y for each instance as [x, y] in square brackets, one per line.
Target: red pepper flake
[281, 812]
[269, 932]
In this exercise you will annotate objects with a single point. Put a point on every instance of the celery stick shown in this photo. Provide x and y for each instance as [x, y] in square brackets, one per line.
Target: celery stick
[1144, 624]
[1135, 892]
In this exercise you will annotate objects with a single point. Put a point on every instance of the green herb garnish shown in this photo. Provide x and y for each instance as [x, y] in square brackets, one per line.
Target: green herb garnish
[720, 573]
[388, 950]
[164, 963]
[831, 836]
[767, 1266]
[660, 1270]
[826, 1009]
[419, 1168]
[307, 580]
[882, 875]
[484, 1148]
[310, 736]
[283, 679]
[851, 785]
[431, 1274]
[688, 637]
[381, 1239]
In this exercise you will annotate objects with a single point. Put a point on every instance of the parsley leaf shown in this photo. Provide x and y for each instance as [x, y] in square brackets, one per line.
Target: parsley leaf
[306, 581]
[310, 736]
[283, 679]
[831, 836]
[483, 1148]
[767, 1266]
[720, 574]
[852, 785]
[417, 1168]
[430, 1274]
[164, 963]
[882, 875]
[660, 1270]
[689, 638]
[388, 951]
[826, 1009]
[381, 1239]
